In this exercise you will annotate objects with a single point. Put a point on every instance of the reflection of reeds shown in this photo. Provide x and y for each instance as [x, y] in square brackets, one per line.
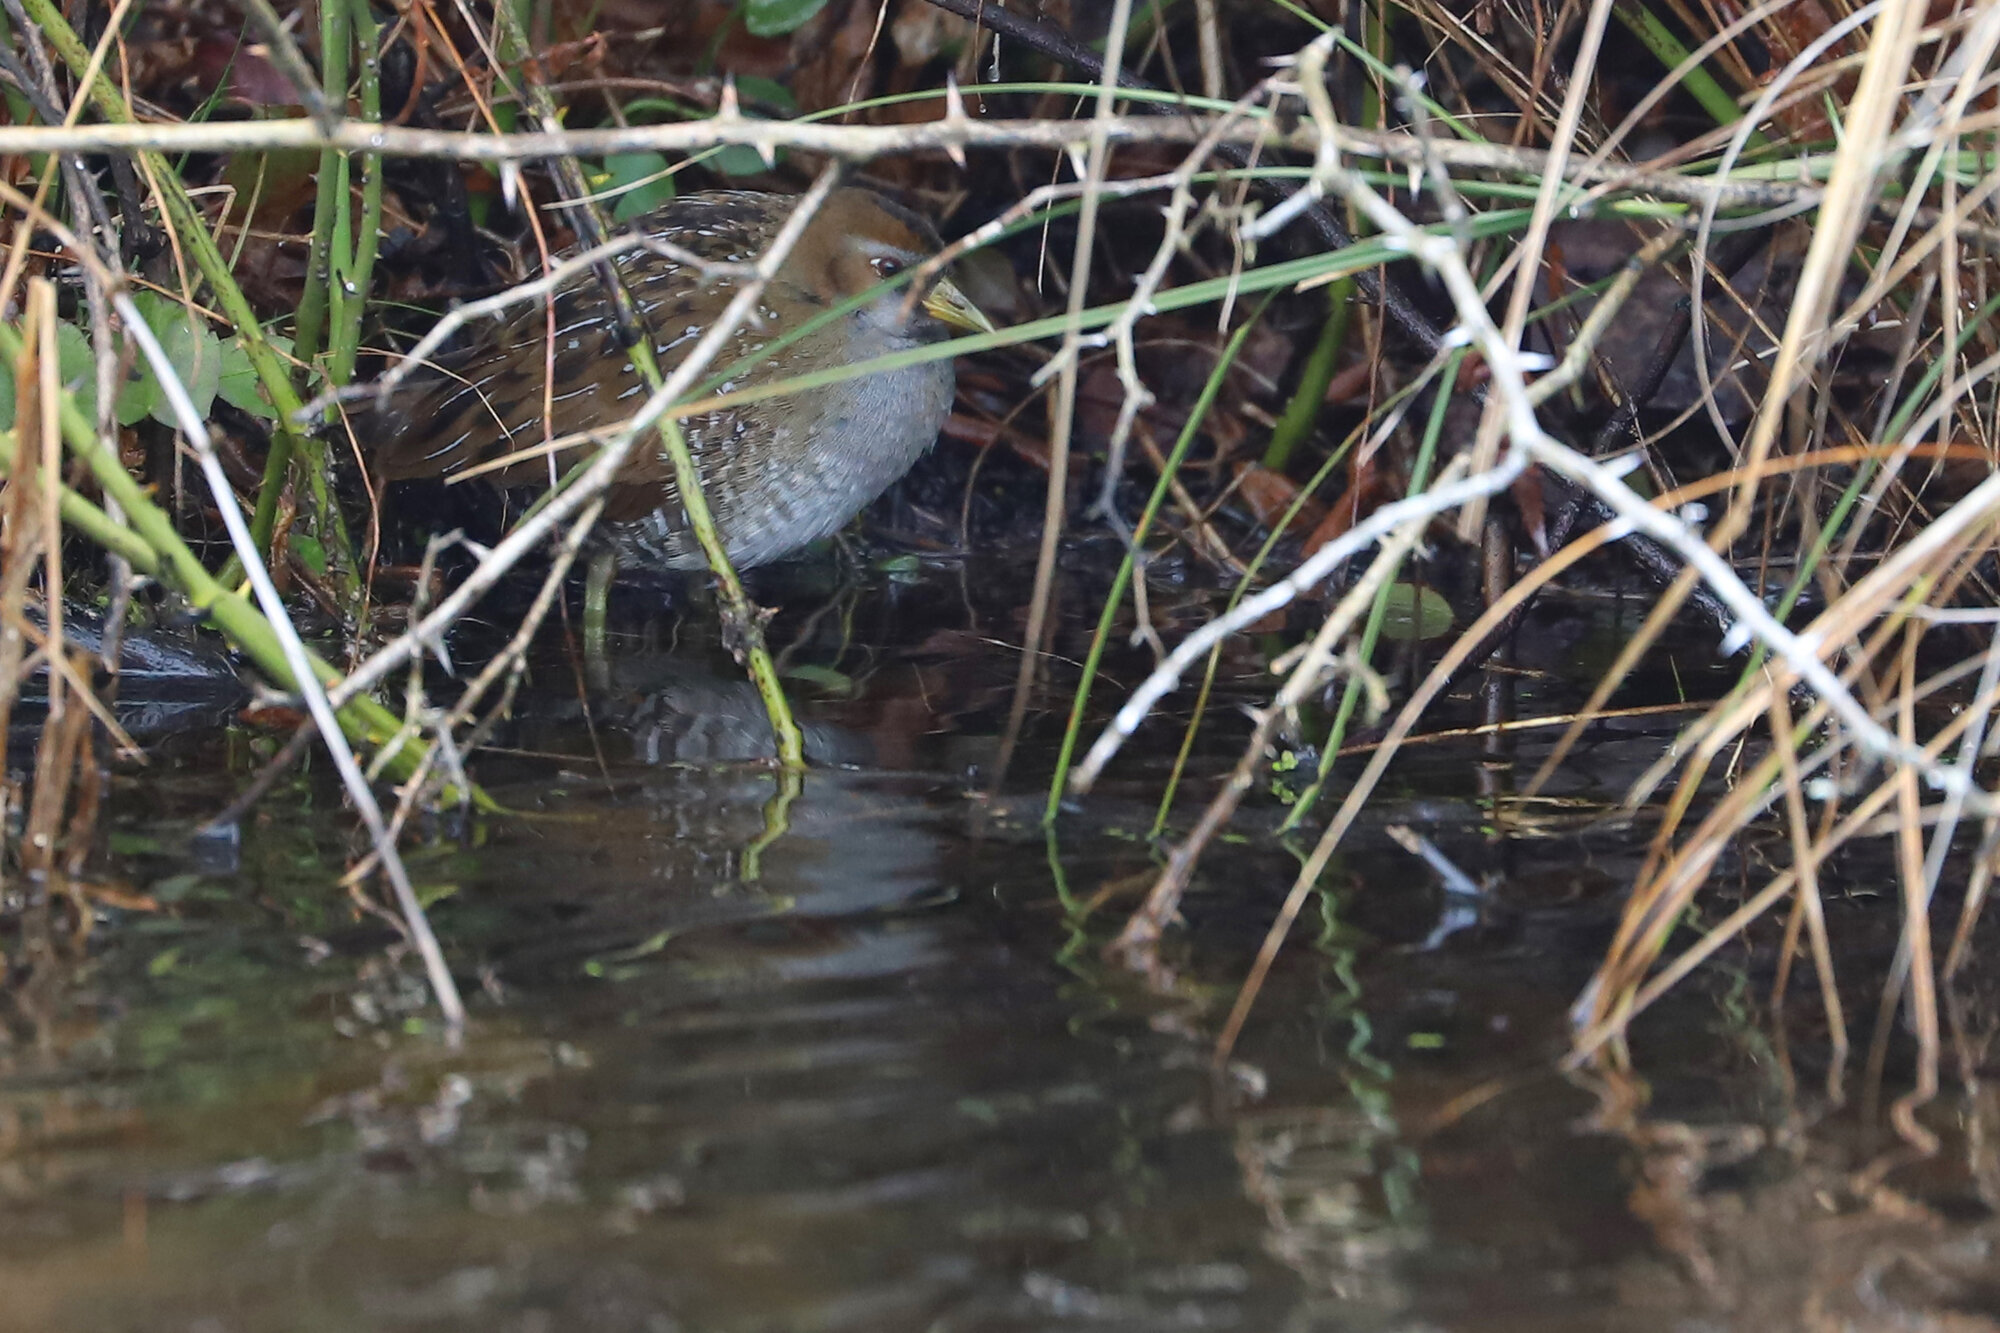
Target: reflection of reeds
[1337, 1193]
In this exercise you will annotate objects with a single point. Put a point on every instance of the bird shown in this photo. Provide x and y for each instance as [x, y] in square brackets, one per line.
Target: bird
[778, 473]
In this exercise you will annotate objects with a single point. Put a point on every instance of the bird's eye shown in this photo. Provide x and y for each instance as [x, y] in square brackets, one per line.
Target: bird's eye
[888, 267]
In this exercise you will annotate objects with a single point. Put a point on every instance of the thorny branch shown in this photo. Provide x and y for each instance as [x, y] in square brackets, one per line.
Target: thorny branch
[1528, 443]
[1792, 184]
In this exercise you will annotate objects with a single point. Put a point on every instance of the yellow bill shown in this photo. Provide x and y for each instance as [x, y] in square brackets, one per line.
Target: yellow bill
[947, 304]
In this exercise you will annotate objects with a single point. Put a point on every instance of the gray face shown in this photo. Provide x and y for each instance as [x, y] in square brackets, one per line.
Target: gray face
[898, 313]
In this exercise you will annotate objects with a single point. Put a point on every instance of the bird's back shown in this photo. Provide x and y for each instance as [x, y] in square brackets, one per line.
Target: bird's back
[556, 367]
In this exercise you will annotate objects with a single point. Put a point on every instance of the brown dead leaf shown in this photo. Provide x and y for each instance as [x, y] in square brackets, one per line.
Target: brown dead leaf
[123, 897]
[1367, 489]
[1268, 495]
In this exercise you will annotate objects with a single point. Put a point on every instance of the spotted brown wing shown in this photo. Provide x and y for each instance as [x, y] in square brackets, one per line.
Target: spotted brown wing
[491, 399]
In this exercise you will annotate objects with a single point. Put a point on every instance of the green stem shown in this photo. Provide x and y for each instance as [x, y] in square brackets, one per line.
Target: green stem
[745, 617]
[354, 267]
[1371, 631]
[272, 370]
[741, 615]
[1302, 412]
[20, 110]
[1122, 580]
[1198, 712]
[1670, 50]
[1375, 34]
[96, 526]
[166, 557]
[329, 198]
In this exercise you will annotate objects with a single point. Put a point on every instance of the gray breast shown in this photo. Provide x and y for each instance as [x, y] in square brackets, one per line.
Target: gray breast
[871, 430]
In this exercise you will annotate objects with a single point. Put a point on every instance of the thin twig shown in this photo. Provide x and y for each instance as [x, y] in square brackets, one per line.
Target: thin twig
[304, 678]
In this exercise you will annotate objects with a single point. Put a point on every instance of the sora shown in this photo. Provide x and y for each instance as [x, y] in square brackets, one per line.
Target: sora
[778, 473]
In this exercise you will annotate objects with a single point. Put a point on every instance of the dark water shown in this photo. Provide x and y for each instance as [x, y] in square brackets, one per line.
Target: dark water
[848, 1058]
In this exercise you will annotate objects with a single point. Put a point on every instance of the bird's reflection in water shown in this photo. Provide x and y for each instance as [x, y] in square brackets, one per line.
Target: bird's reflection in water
[688, 828]
[675, 712]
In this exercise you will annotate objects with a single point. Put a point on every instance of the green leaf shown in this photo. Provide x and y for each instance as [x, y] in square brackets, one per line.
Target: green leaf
[75, 367]
[646, 110]
[192, 349]
[238, 384]
[775, 18]
[738, 159]
[140, 394]
[137, 397]
[1414, 613]
[430, 895]
[767, 92]
[832, 682]
[174, 888]
[645, 173]
[310, 553]
[196, 355]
